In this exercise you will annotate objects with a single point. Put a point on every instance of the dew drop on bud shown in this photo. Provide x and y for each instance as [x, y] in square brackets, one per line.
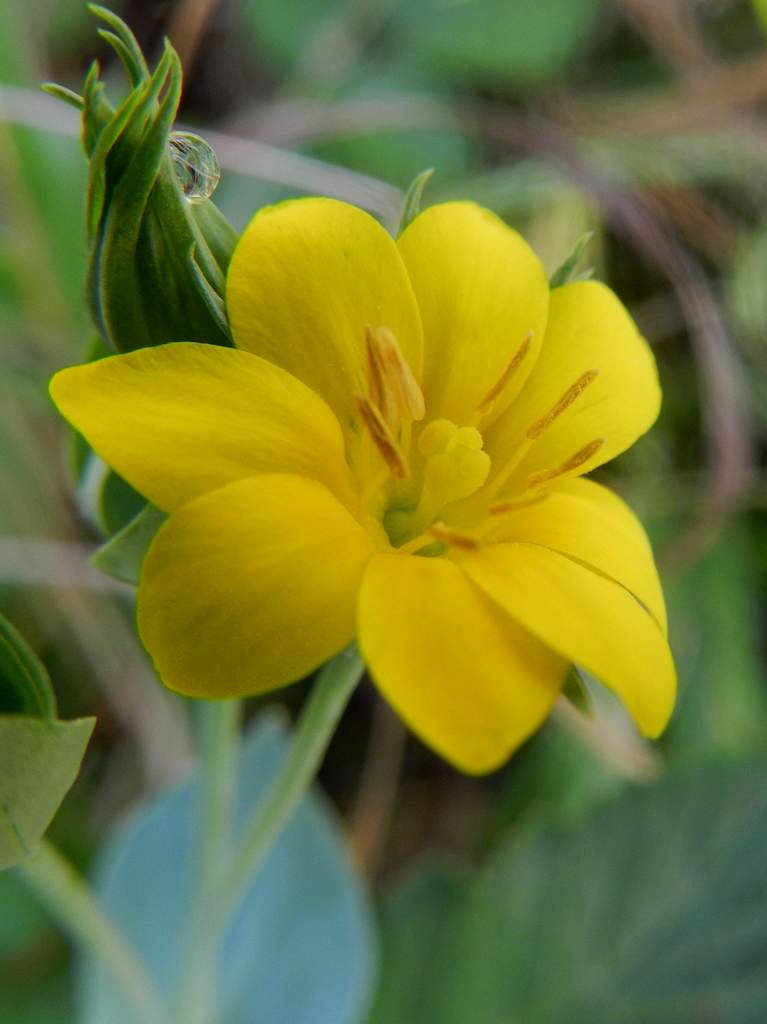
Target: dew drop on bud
[196, 165]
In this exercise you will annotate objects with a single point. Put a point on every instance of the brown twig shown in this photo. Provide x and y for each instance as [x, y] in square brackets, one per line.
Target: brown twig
[670, 28]
[678, 109]
[621, 750]
[187, 29]
[377, 792]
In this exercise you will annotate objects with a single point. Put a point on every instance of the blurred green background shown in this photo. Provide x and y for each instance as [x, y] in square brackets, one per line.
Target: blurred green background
[594, 878]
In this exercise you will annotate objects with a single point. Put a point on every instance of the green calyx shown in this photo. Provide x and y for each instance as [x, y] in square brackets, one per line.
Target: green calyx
[158, 250]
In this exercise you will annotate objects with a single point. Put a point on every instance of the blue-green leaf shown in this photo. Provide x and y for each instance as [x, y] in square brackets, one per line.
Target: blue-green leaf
[300, 949]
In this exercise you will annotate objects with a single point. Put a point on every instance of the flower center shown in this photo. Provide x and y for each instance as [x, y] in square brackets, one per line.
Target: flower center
[453, 466]
[421, 489]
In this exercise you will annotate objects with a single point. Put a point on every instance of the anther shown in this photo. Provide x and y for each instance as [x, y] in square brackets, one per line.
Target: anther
[567, 399]
[383, 438]
[508, 373]
[453, 538]
[574, 462]
[502, 508]
[393, 388]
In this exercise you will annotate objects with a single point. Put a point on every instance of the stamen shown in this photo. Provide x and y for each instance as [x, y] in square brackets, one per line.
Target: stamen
[454, 538]
[567, 399]
[383, 438]
[574, 462]
[507, 374]
[393, 388]
[502, 508]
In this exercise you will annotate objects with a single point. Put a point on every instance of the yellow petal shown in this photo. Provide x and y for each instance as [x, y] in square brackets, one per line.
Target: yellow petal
[462, 674]
[179, 420]
[305, 280]
[483, 296]
[251, 587]
[588, 330]
[586, 618]
[591, 524]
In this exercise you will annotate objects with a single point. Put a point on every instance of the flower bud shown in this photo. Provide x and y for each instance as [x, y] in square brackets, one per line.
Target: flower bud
[159, 248]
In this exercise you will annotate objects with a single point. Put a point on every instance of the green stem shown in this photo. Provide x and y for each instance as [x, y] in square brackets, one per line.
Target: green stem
[66, 894]
[219, 732]
[318, 722]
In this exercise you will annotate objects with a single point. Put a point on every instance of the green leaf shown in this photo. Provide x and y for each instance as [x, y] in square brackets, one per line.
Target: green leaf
[122, 555]
[124, 43]
[412, 204]
[414, 920]
[564, 273]
[760, 10]
[497, 41]
[39, 756]
[25, 688]
[60, 92]
[283, 28]
[654, 912]
[39, 761]
[718, 639]
[300, 949]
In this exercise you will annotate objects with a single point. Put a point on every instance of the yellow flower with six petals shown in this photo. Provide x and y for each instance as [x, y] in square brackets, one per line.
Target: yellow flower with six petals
[394, 451]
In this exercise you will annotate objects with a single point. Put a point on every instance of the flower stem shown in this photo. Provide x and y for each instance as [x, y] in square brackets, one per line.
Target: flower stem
[66, 894]
[196, 993]
[317, 724]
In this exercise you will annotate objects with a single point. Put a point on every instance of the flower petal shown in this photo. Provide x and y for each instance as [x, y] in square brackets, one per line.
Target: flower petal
[587, 618]
[462, 674]
[591, 524]
[306, 277]
[251, 587]
[481, 291]
[179, 420]
[588, 329]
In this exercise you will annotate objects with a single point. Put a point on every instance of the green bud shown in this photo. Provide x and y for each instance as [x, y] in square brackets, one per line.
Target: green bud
[159, 248]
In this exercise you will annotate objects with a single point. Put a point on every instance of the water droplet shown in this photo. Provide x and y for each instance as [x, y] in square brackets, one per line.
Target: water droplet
[196, 165]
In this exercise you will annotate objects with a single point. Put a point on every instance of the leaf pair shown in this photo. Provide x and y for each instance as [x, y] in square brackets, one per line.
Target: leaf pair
[39, 755]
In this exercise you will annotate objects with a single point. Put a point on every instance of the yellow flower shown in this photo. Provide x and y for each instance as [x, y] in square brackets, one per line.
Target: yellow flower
[394, 451]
